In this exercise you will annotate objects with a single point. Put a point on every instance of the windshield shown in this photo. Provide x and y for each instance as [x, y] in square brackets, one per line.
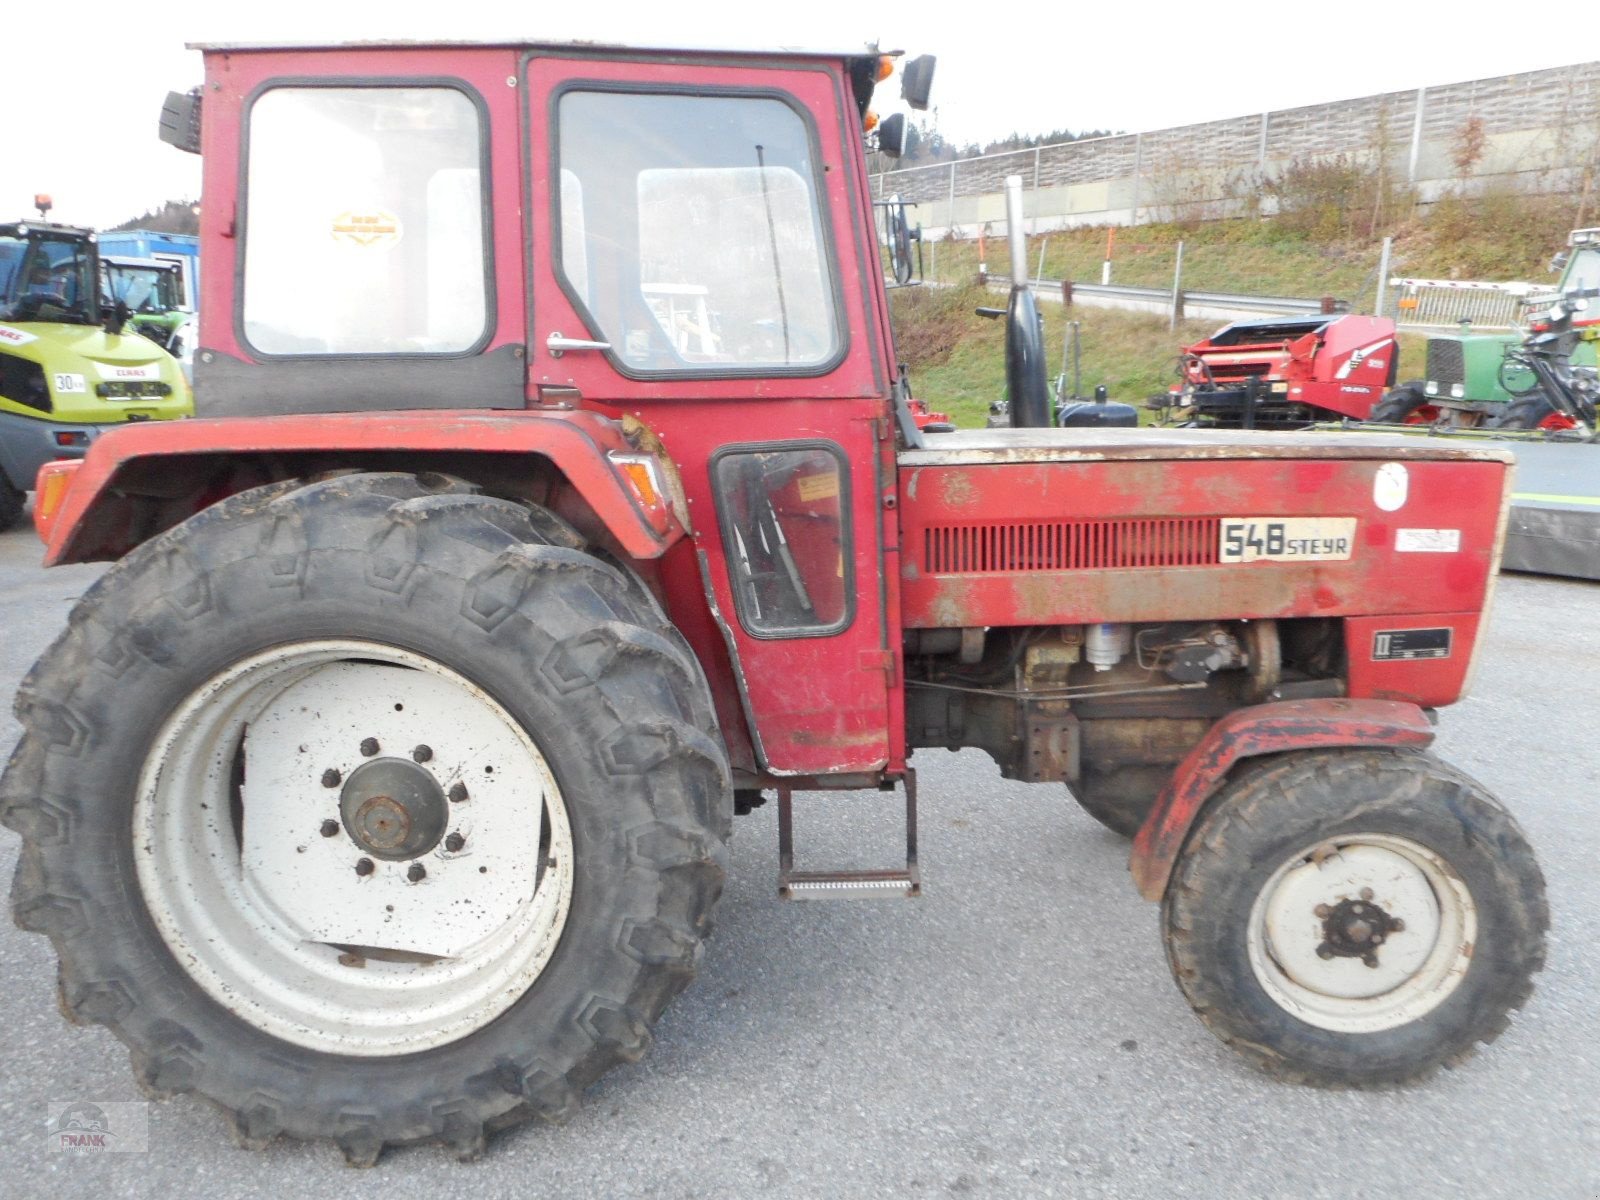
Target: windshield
[12, 251]
[142, 289]
[47, 279]
[1583, 271]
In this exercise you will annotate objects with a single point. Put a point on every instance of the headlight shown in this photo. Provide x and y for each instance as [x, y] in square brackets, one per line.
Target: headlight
[1457, 391]
[1432, 388]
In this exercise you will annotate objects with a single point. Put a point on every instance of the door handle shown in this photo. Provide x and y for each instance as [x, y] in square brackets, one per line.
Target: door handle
[558, 345]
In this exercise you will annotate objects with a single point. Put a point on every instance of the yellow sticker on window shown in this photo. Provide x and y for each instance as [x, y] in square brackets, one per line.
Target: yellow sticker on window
[366, 227]
[822, 486]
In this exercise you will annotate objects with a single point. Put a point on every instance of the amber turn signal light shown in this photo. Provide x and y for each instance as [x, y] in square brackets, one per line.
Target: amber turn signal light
[50, 490]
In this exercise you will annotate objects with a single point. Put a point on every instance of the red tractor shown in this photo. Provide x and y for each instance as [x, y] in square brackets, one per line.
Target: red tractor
[555, 498]
[1284, 373]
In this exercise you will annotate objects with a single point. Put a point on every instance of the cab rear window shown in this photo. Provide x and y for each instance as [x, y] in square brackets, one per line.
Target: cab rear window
[364, 222]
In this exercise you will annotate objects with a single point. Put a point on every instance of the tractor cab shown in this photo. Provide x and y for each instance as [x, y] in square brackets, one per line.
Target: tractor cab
[151, 289]
[47, 275]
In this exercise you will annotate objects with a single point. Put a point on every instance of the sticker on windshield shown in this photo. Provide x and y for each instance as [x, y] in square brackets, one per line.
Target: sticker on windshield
[366, 227]
[15, 337]
[66, 384]
[1287, 539]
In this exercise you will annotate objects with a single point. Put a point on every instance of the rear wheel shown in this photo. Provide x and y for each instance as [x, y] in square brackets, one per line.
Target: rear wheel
[1533, 412]
[1355, 917]
[425, 815]
[12, 503]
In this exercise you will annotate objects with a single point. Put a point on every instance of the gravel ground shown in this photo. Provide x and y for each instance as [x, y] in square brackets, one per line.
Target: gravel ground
[1015, 1032]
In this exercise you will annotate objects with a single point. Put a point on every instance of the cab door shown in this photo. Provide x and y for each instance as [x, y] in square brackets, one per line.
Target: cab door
[698, 261]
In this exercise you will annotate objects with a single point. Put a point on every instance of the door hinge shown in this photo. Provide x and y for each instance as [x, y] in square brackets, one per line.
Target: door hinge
[879, 660]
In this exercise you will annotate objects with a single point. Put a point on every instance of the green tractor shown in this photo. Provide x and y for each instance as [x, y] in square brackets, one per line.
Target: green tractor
[69, 367]
[1490, 380]
[152, 290]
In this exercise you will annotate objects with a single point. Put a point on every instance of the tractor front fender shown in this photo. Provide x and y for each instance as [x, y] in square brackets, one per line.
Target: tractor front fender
[139, 479]
[1249, 733]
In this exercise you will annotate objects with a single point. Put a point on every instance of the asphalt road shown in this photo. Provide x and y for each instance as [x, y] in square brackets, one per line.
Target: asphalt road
[1015, 1032]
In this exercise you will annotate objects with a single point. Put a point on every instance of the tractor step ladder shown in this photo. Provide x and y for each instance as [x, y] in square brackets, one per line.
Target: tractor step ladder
[847, 885]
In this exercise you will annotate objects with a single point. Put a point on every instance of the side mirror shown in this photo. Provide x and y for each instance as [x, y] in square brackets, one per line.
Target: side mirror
[1559, 262]
[895, 136]
[916, 81]
[114, 317]
[180, 120]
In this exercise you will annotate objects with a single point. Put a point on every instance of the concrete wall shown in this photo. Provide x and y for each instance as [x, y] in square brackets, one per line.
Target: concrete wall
[1541, 133]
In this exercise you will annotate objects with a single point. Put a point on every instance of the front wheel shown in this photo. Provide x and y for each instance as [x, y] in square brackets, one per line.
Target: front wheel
[1355, 917]
[372, 809]
[1405, 405]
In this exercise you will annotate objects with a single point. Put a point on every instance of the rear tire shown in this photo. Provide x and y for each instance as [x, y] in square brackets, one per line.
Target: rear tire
[12, 504]
[1296, 871]
[428, 574]
[1533, 412]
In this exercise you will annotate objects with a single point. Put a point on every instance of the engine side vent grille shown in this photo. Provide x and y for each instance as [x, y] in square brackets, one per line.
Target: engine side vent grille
[1070, 545]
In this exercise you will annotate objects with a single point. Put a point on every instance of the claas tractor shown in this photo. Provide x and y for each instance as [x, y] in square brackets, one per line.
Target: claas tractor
[71, 366]
[1283, 373]
[1541, 377]
[381, 791]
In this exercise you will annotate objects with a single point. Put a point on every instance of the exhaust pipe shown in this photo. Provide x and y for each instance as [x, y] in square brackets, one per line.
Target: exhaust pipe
[1027, 387]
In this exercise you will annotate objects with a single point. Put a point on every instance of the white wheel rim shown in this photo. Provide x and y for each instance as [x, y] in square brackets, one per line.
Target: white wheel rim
[272, 919]
[1340, 896]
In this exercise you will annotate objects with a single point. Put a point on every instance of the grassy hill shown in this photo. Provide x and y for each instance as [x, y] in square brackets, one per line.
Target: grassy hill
[957, 359]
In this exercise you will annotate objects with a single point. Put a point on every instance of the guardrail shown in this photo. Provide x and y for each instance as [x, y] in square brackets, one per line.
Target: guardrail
[1226, 305]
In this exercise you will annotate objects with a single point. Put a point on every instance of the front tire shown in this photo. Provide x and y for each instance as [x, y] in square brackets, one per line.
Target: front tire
[213, 702]
[1404, 405]
[1355, 917]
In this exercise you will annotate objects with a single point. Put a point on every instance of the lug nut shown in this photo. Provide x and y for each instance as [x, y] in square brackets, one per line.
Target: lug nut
[1323, 911]
[415, 872]
[1396, 925]
[422, 754]
[330, 828]
[1366, 893]
[458, 793]
[369, 747]
[364, 866]
[1324, 951]
[331, 778]
[454, 842]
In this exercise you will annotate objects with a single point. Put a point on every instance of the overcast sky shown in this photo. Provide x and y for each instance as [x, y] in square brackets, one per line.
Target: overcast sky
[83, 83]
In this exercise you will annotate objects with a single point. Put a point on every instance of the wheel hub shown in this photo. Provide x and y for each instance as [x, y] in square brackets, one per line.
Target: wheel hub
[1355, 928]
[393, 809]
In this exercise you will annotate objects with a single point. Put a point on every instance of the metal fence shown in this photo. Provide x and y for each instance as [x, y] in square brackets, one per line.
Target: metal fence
[1446, 303]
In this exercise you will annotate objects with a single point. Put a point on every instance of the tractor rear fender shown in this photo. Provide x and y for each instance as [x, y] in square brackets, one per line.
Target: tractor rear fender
[1250, 733]
[140, 479]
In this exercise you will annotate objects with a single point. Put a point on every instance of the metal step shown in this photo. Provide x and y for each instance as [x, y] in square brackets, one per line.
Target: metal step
[847, 885]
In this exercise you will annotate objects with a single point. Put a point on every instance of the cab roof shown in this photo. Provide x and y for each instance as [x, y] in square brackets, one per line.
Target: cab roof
[863, 50]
